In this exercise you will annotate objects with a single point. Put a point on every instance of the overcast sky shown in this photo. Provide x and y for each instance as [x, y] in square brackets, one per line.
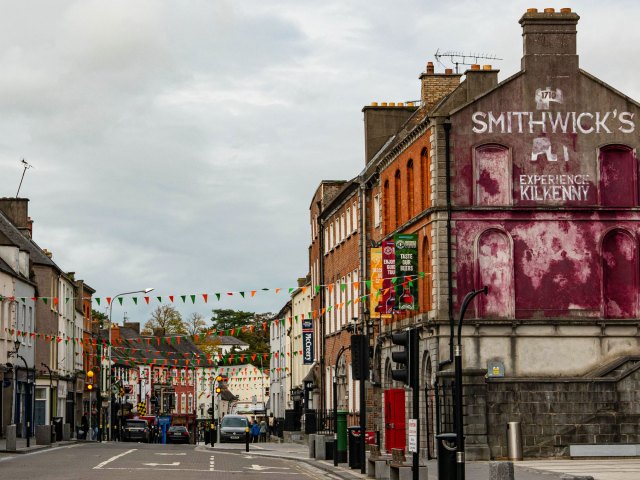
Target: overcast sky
[177, 144]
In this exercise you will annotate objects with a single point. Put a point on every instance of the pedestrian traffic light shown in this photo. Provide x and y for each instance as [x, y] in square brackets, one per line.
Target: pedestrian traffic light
[359, 357]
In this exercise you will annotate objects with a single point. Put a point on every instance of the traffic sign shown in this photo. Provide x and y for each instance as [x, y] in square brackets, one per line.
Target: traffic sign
[413, 436]
[210, 410]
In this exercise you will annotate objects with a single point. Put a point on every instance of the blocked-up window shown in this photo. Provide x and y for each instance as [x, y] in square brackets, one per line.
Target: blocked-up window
[495, 270]
[492, 175]
[619, 275]
[618, 172]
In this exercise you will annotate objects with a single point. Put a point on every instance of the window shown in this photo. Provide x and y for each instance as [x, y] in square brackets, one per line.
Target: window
[617, 176]
[385, 202]
[326, 240]
[338, 237]
[354, 213]
[495, 270]
[410, 205]
[492, 175]
[398, 198]
[183, 403]
[425, 187]
[348, 221]
[343, 229]
[426, 268]
[331, 237]
[376, 211]
[619, 277]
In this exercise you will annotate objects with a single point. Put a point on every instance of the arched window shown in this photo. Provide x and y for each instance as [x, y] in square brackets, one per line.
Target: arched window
[427, 269]
[398, 199]
[410, 205]
[618, 176]
[495, 270]
[385, 205]
[619, 275]
[425, 186]
[492, 175]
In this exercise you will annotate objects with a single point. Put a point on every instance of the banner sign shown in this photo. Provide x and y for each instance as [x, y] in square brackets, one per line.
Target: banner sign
[375, 299]
[406, 268]
[388, 296]
[307, 341]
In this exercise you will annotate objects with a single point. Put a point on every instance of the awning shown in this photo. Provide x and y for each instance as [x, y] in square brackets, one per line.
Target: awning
[312, 375]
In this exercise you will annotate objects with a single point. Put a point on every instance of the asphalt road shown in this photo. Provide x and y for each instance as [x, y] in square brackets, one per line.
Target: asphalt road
[122, 461]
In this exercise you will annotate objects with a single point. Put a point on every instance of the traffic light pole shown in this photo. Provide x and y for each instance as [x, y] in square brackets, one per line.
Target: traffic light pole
[459, 412]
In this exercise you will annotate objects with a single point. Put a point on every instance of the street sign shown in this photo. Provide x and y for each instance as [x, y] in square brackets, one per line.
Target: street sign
[413, 436]
[210, 410]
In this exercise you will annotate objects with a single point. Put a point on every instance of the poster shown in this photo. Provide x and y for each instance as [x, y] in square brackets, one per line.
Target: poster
[375, 299]
[388, 297]
[307, 341]
[406, 270]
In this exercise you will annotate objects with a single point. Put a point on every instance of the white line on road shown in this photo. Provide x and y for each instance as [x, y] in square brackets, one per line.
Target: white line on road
[170, 453]
[173, 464]
[99, 466]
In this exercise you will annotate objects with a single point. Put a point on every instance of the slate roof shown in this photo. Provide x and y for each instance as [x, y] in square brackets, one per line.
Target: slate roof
[15, 236]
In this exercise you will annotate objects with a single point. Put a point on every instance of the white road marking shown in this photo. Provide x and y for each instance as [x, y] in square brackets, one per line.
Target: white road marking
[6, 458]
[170, 453]
[261, 467]
[174, 464]
[100, 465]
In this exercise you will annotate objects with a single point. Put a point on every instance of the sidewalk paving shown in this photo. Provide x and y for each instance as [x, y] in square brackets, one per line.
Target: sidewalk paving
[300, 452]
[21, 445]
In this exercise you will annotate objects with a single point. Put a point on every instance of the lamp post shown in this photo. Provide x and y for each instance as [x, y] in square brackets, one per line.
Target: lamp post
[146, 290]
[15, 353]
[460, 461]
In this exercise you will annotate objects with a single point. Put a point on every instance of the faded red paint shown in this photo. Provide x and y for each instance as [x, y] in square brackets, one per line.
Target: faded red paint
[495, 270]
[619, 266]
[492, 173]
[617, 177]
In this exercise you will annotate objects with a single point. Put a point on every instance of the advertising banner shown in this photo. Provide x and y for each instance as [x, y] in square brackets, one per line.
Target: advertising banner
[406, 269]
[375, 298]
[307, 341]
[388, 296]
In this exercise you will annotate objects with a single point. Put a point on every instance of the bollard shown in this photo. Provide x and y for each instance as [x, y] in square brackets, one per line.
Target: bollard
[501, 471]
[11, 438]
[514, 441]
[246, 438]
[212, 434]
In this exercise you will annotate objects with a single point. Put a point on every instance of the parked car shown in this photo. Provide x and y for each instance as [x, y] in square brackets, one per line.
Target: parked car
[233, 428]
[178, 434]
[136, 431]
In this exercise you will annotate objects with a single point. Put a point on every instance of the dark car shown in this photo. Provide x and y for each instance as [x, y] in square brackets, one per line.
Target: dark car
[178, 434]
[136, 431]
[233, 428]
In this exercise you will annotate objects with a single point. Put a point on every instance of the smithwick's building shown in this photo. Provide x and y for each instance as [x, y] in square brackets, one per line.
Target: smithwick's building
[530, 187]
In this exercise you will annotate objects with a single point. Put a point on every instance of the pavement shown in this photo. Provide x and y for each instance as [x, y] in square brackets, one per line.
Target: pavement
[553, 469]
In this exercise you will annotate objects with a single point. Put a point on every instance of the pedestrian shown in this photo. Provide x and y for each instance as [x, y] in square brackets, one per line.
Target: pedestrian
[271, 424]
[84, 427]
[255, 432]
[263, 430]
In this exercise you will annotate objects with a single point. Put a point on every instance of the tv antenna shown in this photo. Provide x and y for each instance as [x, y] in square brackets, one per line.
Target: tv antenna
[26, 167]
[461, 58]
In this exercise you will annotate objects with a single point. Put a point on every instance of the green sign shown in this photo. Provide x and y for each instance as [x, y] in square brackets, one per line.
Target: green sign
[406, 287]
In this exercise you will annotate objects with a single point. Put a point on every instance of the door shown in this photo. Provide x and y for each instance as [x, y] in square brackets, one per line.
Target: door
[394, 419]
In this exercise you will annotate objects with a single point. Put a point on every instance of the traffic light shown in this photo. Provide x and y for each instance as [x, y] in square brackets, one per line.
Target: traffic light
[407, 357]
[218, 390]
[89, 382]
[359, 357]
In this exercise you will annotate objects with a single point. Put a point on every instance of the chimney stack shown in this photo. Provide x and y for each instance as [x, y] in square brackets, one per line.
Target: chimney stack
[16, 210]
[436, 86]
[135, 326]
[549, 40]
[480, 80]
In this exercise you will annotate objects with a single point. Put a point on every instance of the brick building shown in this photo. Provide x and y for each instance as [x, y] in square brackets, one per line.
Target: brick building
[528, 186]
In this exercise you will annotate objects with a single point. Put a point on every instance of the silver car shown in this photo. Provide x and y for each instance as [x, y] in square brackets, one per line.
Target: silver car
[233, 428]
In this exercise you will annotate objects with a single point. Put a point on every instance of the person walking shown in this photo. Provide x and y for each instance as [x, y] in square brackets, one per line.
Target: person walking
[255, 432]
[263, 430]
[271, 424]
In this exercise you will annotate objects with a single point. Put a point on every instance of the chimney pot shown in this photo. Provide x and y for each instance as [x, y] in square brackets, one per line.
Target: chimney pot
[400, 104]
[384, 104]
[549, 10]
[448, 71]
[430, 69]
[565, 10]
[486, 67]
[392, 104]
[374, 104]
[475, 67]
[532, 10]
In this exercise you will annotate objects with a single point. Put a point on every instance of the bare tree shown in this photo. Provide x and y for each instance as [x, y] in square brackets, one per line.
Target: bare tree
[195, 324]
[166, 319]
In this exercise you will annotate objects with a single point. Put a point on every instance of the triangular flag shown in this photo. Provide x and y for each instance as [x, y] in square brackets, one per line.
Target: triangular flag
[120, 300]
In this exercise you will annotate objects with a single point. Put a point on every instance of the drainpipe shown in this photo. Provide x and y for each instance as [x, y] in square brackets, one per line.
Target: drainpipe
[320, 281]
[447, 156]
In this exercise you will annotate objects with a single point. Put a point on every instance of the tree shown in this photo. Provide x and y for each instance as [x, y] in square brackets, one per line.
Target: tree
[195, 324]
[166, 319]
[242, 323]
[99, 319]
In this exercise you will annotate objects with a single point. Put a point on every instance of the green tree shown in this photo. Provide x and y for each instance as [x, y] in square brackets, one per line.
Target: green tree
[166, 319]
[242, 322]
[99, 319]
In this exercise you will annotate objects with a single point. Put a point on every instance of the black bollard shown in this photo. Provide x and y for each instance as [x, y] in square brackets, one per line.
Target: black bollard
[246, 439]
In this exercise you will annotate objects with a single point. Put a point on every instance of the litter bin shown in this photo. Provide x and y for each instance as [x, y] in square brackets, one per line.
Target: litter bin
[57, 428]
[447, 469]
[356, 445]
[514, 441]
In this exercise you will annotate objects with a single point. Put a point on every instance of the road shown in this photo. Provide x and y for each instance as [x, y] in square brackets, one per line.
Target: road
[140, 461]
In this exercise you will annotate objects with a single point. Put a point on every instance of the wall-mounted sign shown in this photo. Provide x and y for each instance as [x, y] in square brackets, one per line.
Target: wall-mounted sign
[307, 341]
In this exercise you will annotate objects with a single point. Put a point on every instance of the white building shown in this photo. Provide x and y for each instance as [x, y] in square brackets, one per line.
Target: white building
[302, 353]
[280, 387]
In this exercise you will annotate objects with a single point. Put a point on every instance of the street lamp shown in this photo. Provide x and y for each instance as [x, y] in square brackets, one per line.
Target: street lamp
[16, 344]
[113, 300]
[459, 412]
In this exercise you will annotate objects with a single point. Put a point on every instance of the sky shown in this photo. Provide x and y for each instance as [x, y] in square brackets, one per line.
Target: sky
[177, 144]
